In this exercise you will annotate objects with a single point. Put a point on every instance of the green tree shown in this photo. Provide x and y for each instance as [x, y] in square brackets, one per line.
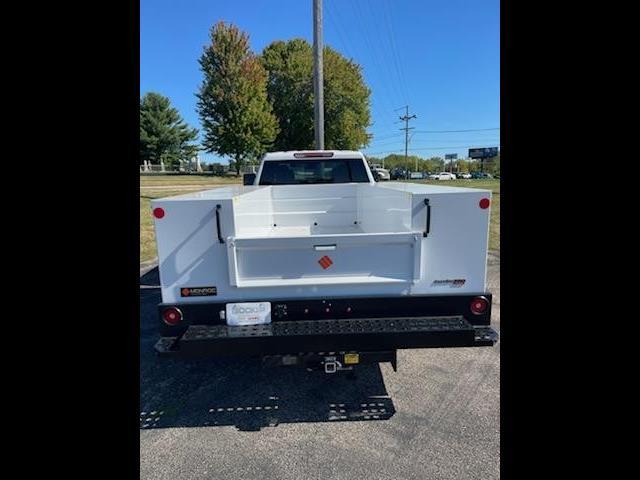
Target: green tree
[232, 101]
[474, 166]
[464, 166]
[290, 90]
[394, 161]
[435, 164]
[489, 165]
[164, 136]
[398, 161]
[494, 165]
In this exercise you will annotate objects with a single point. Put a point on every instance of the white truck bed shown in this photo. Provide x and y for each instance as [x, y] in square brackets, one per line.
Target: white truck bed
[273, 241]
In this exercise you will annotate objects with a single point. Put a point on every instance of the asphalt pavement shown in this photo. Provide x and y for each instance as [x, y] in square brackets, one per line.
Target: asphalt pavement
[438, 417]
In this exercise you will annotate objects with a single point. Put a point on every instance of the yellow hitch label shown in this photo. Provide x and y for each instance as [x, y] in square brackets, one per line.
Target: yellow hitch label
[351, 358]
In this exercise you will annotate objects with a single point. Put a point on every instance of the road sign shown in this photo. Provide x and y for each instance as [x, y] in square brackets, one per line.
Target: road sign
[451, 156]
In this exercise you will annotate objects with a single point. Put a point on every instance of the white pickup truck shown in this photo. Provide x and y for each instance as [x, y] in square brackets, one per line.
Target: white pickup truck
[316, 264]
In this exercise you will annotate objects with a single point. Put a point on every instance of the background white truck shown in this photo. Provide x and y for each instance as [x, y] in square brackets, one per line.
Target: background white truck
[317, 264]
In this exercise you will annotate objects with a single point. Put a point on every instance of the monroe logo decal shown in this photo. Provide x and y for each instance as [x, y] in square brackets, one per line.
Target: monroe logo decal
[198, 291]
[456, 283]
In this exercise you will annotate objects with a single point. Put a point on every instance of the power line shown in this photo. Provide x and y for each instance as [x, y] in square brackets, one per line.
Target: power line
[392, 135]
[386, 137]
[383, 48]
[381, 100]
[333, 19]
[378, 138]
[484, 140]
[456, 131]
[380, 61]
[437, 148]
[389, 19]
[353, 48]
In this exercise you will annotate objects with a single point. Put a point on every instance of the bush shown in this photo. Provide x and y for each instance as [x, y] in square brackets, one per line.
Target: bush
[217, 169]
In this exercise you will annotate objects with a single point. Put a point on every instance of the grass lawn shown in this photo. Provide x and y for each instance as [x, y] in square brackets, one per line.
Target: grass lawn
[147, 234]
[164, 180]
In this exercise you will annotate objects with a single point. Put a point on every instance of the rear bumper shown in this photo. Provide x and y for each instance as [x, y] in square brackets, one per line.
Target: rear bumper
[332, 335]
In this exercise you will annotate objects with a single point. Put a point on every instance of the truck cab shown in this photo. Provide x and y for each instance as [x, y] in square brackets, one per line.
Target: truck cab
[317, 264]
[310, 167]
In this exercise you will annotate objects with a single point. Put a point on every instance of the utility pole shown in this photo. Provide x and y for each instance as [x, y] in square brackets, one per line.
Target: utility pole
[318, 83]
[406, 129]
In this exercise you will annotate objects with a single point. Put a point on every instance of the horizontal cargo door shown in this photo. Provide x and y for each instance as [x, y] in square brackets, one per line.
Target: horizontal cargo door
[325, 259]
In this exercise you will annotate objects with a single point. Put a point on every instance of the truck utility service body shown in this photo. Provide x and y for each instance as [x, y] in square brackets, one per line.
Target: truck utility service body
[318, 263]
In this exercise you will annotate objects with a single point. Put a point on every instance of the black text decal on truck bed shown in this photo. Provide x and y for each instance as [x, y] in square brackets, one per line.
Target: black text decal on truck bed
[457, 283]
[198, 291]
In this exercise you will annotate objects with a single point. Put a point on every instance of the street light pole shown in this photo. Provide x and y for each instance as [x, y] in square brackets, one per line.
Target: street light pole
[318, 86]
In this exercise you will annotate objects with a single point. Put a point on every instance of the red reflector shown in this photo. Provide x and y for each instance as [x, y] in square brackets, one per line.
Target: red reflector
[484, 203]
[319, 154]
[158, 212]
[479, 305]
[172, 316]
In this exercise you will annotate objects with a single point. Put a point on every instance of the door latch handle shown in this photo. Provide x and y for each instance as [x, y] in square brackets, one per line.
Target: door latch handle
[428, 226]
[324, 247]
[220, 239]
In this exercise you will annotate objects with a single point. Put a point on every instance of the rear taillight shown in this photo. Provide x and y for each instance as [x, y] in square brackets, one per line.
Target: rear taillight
[158, 212]
[172, 316]
[479, 305]
[484, 203]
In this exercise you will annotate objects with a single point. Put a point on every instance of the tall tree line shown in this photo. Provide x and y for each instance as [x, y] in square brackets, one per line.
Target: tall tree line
[164, 135]
[249, 104]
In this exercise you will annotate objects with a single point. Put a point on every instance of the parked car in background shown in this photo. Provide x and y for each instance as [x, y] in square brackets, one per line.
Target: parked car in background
[397, 174]
[444, 176]
[381, 174]
[416, 176]
[465, 175]
[481, 175]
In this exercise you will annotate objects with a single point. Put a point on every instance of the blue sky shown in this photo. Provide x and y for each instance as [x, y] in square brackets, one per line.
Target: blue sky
[441, 57]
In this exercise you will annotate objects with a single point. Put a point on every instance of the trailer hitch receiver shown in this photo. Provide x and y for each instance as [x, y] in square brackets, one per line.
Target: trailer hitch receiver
[330, 367]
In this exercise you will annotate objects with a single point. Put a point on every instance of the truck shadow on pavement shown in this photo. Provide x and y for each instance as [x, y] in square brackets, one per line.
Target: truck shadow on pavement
[243, 393]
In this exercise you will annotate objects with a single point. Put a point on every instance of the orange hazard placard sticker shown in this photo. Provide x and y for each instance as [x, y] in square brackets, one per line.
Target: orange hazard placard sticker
[325, 262]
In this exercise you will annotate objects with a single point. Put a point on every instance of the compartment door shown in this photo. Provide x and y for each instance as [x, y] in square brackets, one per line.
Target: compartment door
[325, 259]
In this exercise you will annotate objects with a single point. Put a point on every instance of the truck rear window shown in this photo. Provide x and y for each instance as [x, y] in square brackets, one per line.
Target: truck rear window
[293, 172]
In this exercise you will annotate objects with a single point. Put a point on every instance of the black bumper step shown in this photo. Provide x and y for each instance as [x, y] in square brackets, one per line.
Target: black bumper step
[328, 335]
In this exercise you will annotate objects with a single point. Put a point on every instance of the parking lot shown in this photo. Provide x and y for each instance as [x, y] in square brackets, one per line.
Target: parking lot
[436, 418]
